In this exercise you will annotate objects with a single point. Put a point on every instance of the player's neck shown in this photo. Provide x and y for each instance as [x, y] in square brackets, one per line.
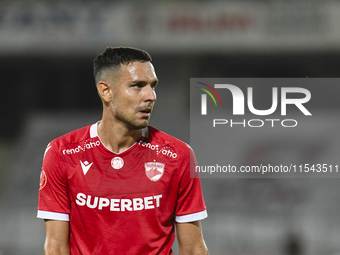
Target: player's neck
[117, 137]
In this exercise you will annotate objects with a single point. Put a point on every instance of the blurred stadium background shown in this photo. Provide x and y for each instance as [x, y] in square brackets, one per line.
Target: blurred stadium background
[46, 53]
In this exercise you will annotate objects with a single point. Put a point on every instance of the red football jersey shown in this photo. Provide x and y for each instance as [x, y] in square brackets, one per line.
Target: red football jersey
[119, 203]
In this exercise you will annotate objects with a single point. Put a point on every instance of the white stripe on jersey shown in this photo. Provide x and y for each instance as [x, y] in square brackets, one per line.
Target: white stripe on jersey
[94, 131]
[53, 216]
[192, 217]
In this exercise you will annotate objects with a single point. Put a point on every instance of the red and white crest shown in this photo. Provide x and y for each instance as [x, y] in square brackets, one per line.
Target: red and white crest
[154, 170]
[117, 162]
[43, 179]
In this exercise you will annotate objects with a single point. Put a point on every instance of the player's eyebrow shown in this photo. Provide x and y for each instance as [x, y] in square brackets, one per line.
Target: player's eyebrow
[153, 83]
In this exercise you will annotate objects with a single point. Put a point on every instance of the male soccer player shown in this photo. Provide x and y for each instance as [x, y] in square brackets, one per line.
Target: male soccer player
[120, 186]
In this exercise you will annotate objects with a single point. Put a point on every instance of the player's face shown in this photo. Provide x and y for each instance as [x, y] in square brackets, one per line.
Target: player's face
[134, 94]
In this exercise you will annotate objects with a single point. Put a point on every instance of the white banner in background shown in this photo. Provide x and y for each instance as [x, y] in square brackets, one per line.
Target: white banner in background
[182, 27]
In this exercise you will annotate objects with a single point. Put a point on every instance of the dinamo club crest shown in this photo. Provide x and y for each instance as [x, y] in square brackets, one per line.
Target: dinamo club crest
[43, 179]
[154, 170]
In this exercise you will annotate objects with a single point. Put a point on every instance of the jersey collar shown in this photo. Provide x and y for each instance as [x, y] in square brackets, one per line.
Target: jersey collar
[94, 131]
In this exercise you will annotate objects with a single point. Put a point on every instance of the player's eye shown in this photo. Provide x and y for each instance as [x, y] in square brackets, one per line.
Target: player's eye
[154, 85]
[138, 85]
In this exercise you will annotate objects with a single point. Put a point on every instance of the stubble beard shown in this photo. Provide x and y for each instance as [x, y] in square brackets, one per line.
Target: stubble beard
[130, 118]
[131, 121]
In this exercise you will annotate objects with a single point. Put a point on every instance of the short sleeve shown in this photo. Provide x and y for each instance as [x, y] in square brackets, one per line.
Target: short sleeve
[190, 204]
[53, 202]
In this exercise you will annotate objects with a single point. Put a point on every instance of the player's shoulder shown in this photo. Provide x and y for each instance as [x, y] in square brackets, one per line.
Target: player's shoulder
[160, 137]
[72, 137]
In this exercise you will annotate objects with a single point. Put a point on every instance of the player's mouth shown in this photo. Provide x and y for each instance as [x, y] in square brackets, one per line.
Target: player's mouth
[146, 111]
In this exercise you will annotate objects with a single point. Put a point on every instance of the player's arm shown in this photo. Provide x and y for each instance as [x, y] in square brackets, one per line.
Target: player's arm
[190, 238]
[57, 239]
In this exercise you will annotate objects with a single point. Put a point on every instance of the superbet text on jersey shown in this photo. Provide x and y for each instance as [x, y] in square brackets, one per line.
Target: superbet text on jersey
[124, 203]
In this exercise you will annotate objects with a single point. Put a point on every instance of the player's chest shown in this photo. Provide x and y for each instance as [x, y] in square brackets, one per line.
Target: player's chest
[138, 171]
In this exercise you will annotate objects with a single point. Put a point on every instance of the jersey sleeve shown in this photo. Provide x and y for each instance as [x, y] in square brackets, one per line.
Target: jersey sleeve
[53, 202]
[190, 203]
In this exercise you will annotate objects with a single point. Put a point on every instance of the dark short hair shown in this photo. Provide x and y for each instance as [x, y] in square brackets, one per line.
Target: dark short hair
[114, 57]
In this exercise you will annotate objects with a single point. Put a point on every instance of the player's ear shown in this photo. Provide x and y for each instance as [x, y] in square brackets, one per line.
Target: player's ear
[104, 91]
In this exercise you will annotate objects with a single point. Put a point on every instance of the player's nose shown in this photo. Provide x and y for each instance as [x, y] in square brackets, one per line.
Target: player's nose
[150, 94]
